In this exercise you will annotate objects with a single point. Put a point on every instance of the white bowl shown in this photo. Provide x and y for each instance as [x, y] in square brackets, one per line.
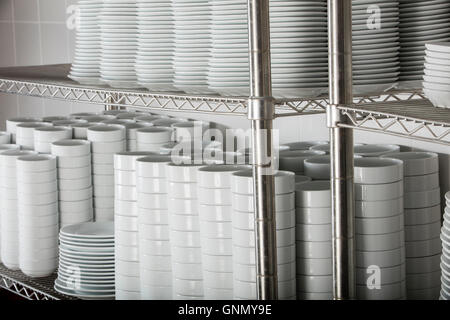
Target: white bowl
[185, 239]
[423, 232]
[378, 209]
[217, 246]
[242, 182]
[37, 211]
[311, 232]
[421, 183]
[71, 148]
[386, 292]
[217, 176]
[74, 184]
[34, 233]
[379, 192]
[418, 163]
[314, 249]
[184, 222]
[26, 130]
[215, 213]
[154, 135]
[245, 203]
[186, 255]
[5, 137]
[125, 178]
[316, 284]
[313, 215]
[423, 199]
[126, 208]
[223, 280]
[293, 160]
[182, 173]
[314, 267]
[318, 168]
[108, 147]
[157, 201]
[128, 253]
[423, 248]
[187, 271]
[36, 163]
[382, 259]
[156, 248]
[52, 134]
[38, 270]
[246, 221]
[383, 242]
[36, 188]
[302, 179]
[422, 216]
[246, 238]
[156, 263]
[244, 272]
[76, 195]
[126, 193]
[147, 185]
[104, 133]
[74, 173]
[127, 160]
[375, 150]
[129, 268]
[379, 225]
[182, 190]
[152, 166]
[127, 283]
[8, 158]
[378, 170]
[439, 98]
[316, 194]
[106, 202]
[188, 287]
[36, 177]
[38, 221]
[38, 199]
[156, 278]
[11, 124]
[103, 159]
[74, 162]
[157, 217]
[75, 207]
[103, 180]
[217, 263]
[219, 197]
[423, 280]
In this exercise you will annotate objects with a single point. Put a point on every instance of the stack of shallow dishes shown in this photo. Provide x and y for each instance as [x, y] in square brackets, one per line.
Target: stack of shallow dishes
[294, 160]
[9, 219]
[86, 65]
[445, 260]
[376, 45]
[436, 84]
[152, 138]
[192, 44]
[375, 150]
[214, 187]
[313, 241]
[11, 125]
[156, 45]
[118, 24]
[421, 22]
[86, 261]
[37, 189]
[105, 141]
[422, 223]
[74, 181]
[154, 236]
[45, 136]
[25, 133]
[380, 240]
[244, 261]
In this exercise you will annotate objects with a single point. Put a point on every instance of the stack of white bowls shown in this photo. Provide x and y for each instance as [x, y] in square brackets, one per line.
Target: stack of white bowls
[118, 25]
[189, 131]
[436, 84]
[313, 241]
[184, 226]
[156, 45]
[192, 44]
[74, 181]
[303, 145]
[9, 218]
[5, 137]
[152, 138]
[294, 160]
[25, 133]
[86, 65]
[45, 136]
[380, 239]
[105, 141]
[375, 150]
[215, 212]
[11, 125]
[422, 223]
[154, 236]
[318, 168]
[244, 260]
[132, 129]
[80, 130]
[37, 189]
[445, 259]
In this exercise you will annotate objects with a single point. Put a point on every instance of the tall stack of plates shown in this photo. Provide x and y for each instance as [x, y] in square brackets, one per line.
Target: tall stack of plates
[85, 67]
[436, 84]
[193, 42]
[421, 22]
[376, 46]
[118, 24]
[86, 261]
[445, 259]
[156, 45]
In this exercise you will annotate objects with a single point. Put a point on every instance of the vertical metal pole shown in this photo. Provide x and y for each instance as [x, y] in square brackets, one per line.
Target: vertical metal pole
[261, 113]
[342, 168]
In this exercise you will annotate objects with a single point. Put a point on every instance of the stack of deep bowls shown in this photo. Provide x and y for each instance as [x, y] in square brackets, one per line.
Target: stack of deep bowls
[294, 160]
[154, 236]
[445, 259]
[422, 224]
[11, 125]
[5, 137]
[215, 212]
[132, 129]
[318, 168]
[313, 241]
[375, 150]
[379, 229]
[74, 181]
[106, 141]
[9, 218]
[436, 84]
[189, 131]
[37, 189]
[244, 260]
[185, 237]
[80, 130]
[153, 138]
[43, 137]
[25, 133]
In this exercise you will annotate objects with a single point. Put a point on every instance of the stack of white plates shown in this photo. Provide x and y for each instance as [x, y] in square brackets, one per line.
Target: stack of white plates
[5, 137]
[45, 136]
[313, 241]
[25, 133]
[86, 65]
[9, 218]
[422, 222]
[436, 84]
[86, 261]
[421, 22]
[154, 236]
[118, 24]
[184, 226]
[74, 181]
[318, 168]
[376, 45]
[375, 150]
[445, 260]
[106, 140]
[294, 160]
[380, 235]
[37, 189]
[244, 260]
[192, 44]
[153, 138]
[156, 45]
[215, 212]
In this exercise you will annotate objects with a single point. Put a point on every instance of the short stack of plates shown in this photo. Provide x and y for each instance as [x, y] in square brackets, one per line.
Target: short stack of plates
[421, 22]
[436, 84]
[86, 261]
[118, 24]
[445, 259]
[85, 67]
[376, 46]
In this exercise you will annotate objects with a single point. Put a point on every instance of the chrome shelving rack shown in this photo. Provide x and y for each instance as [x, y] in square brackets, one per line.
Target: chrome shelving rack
[404, 113]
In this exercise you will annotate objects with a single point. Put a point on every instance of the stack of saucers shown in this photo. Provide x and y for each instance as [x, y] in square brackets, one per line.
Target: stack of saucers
[74, 181]
[422, 223]
[375, 150]
[152, 138]
[154, 236]
[86, 65]
[9, 218]
[11, 125]
[244, 260]
[25, 133]
[294, 160]
[86, 261]
[45, 136]
[215, 211]
[436, 84]
[106, 141]
[445, 259]
[380, 239]
[5, 137]
[118, 24]
[313, 241]
[37, 189]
